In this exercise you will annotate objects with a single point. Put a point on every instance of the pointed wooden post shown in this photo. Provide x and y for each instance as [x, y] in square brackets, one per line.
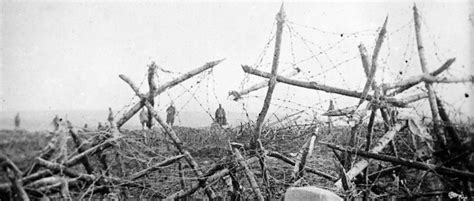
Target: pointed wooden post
[151, 93]
[172, 134]
[429, 86]
[373, 67]
[280, 17]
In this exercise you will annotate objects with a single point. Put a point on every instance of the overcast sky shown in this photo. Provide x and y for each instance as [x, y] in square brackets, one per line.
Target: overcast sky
[67, 56]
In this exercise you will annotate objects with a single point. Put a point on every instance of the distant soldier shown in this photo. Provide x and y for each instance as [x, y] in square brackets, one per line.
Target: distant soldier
[110, 118]
[55, 123]
[17, 120]
[331, 108]
[143, 117]
[85, 126]
[170, 113]
[100, 126]
[220, 116]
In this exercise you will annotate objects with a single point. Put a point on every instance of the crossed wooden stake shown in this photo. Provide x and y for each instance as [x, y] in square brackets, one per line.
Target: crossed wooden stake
[380, 100]
[147, 100]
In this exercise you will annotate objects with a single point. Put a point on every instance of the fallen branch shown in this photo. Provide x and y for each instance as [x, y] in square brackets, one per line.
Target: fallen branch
[406, 162]
[78, 142]
[307, 169]
[438, 71]
[379, 146]
[303, 154]
[164, 163]
[17, 185]
[249, 174]
[76, 159]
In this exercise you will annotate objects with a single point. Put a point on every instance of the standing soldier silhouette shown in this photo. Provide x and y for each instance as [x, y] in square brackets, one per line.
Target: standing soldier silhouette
[170, 111]
[110, 118]
[220, 116]
[17, 120]
[331, 108]
[55, 123]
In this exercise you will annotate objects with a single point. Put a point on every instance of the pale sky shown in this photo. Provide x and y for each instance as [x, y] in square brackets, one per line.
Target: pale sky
[67, 56]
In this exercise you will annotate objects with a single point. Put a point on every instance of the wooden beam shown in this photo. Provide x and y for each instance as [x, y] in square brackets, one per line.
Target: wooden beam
[429, 86]
[129, 114]
[151, 93]
[16, 178]
[237, 95]
[304, 153]
[163, 163]
[380, 145]
[250, 176]
[406, 162]
[306, 168]
[280, 17]
[373, 69]
[438, 71]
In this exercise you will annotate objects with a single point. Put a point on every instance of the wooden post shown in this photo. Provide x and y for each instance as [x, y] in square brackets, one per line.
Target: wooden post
[249, 174]
[306, 168]
[303, 154]
[16, 180]
[151, 93]
[80, 149]
[370, 77]
[129, 114]
[280, 17]
[172, 134]
[429, 86]
[163, 163]
[438, 71]
[237, 95]
[407, 162]
[361, 165]
[321, 87]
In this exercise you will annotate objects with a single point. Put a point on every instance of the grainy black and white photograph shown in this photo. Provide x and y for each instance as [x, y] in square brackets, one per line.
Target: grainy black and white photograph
[237, 100]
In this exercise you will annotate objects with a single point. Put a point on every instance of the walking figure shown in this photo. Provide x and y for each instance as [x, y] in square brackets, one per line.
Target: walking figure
[55, 123]
[17, 120]
[110, 118]
[170, 111]
[143, 117]
[100, 126]
[220, 116]
[331, 108]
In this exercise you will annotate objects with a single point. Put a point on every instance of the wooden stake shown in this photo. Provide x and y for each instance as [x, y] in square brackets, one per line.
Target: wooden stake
[15, 179]
[273, 76]
[320, 87]
[151, 93]
[307, 169]
[375, 54]
[172, 134]
[164, 163]
[78, 142]
[438, 71]
[304, 153]
[429, 86]
[249, 174]
[361, 165]
[406, 162]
